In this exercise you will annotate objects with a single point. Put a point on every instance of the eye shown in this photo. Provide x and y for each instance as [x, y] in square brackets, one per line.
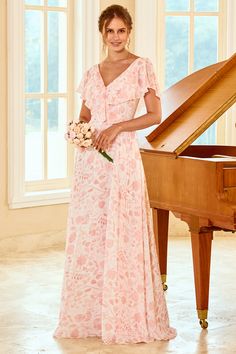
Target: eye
[109, 30]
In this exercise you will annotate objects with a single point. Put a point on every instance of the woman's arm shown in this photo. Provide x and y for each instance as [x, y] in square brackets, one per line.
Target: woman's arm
[85, 113]
[153, 116]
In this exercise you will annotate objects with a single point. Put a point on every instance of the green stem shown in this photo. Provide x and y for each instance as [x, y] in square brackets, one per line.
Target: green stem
[106, 155]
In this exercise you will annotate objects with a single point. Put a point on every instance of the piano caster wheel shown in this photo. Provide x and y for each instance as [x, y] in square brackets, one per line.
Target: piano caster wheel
[203, 324]
[165, 287]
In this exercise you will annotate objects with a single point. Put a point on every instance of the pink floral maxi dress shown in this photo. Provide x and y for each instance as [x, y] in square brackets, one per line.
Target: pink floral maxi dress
[112, 286]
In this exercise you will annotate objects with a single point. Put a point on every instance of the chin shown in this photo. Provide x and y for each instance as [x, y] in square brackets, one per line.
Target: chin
[117, 49]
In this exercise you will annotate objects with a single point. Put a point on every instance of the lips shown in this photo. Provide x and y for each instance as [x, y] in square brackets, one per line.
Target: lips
[115, 43]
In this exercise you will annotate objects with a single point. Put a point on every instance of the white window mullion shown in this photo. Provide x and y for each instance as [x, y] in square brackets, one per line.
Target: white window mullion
[45, 101]
[230, 133]
[191, 38]
[222, 26]
[70, 101]
[161, 44]
[221, 122]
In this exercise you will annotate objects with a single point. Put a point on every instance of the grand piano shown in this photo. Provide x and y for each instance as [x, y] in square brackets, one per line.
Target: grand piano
[196, 182]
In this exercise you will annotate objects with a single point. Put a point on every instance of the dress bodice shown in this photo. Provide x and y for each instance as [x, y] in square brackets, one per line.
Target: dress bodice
[118, 100]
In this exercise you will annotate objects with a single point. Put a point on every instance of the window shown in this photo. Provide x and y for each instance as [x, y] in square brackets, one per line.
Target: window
[193, 38]
[190, 19]
[49, 48]
[47, 92]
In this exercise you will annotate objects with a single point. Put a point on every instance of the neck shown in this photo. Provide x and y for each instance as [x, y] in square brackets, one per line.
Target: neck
[114, 56]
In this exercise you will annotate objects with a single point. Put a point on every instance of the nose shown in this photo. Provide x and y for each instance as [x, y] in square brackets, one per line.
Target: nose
[116, 35]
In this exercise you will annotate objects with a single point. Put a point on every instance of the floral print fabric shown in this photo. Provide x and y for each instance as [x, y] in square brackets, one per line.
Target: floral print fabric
[112, 286]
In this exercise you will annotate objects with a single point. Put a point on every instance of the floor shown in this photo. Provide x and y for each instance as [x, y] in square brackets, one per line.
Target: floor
[29, 304]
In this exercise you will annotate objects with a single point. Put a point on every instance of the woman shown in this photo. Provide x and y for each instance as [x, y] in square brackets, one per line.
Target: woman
[112, 287]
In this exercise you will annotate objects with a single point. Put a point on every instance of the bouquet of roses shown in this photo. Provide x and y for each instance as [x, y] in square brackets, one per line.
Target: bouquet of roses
[81, 134]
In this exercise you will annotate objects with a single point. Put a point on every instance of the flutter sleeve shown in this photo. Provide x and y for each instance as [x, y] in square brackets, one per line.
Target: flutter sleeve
[83, 89]
[148, 79]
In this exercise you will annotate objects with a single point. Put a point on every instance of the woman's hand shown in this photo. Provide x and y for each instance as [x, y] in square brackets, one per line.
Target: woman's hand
[106, 137]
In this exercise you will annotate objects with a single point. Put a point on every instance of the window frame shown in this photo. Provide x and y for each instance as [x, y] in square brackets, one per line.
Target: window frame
[83, 44]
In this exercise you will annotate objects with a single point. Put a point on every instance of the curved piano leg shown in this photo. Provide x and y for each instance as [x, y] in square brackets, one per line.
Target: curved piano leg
[201, 249]
[160, 225]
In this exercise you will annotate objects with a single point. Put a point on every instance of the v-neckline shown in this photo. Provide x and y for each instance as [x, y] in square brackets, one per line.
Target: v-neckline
[117, 77]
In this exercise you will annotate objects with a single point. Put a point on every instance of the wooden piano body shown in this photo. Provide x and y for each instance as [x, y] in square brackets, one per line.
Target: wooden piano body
[196, 182]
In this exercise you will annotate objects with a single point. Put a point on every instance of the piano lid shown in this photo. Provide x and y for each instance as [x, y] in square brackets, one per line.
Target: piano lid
[191, 105]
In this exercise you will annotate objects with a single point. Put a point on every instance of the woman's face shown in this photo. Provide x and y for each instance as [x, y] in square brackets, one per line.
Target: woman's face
[116, 34]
